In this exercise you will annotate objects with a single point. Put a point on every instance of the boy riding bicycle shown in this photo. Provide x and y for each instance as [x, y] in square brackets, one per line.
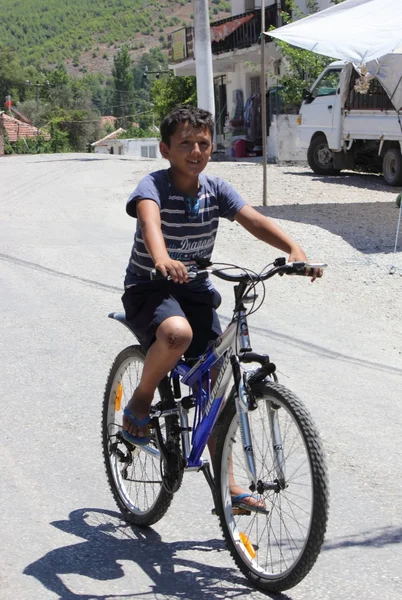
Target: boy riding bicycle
[177, 212]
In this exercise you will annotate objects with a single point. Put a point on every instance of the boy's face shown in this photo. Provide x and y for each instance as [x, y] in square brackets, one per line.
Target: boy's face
[189, 150]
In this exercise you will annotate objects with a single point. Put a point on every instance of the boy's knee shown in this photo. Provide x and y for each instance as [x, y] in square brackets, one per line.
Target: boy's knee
[178, 340]
[177, 334]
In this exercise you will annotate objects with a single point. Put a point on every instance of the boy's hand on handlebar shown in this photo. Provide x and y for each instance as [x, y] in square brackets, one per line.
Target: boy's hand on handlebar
[174, 268]
[314, 273]
[296, 255]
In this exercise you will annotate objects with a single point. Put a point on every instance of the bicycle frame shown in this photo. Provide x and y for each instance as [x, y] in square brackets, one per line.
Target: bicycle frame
[231, 348]
[208, 403]
[286, 478]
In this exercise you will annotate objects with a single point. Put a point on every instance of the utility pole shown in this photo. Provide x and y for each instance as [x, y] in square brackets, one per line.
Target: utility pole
[279, 13]
[263, 107]
[203, 57]
[1, 136]
[37, 85]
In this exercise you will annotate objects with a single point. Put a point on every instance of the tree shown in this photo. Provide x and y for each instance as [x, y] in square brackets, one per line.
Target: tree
[303, 66]
[123, 84]
[12, 76]
[169, 91]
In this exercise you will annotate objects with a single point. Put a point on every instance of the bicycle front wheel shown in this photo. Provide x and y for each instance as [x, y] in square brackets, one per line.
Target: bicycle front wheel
[134, 473]
[276, 546]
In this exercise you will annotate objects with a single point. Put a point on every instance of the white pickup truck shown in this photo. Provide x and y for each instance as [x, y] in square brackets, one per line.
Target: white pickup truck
[344, 129]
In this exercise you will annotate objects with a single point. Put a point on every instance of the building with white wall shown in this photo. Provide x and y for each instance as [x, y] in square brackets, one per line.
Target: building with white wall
[236, 53]
[139, 147]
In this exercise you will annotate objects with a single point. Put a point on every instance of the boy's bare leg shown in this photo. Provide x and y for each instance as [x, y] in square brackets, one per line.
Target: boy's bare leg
[173, 337]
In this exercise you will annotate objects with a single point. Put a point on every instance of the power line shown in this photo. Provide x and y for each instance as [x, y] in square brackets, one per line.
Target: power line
[97, 120]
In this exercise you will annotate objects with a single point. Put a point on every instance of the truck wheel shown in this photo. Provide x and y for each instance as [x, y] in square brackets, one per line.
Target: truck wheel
[320, 157]
[392, 167]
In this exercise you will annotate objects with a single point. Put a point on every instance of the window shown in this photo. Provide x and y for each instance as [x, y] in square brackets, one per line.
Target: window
[328, 84]
[375, 99]
[148, 151]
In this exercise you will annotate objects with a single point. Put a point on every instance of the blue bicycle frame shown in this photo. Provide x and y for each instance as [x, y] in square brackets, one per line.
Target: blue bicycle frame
[226, 352]
[208, 403]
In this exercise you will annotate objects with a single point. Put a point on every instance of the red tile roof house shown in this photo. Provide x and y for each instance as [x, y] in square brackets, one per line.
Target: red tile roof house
[17, 129]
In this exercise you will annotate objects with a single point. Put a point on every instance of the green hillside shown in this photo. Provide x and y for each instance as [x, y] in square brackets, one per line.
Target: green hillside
[46, 32]
[66, 63]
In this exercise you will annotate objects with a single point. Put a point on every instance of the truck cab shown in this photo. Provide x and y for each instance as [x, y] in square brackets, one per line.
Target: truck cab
[319, 118]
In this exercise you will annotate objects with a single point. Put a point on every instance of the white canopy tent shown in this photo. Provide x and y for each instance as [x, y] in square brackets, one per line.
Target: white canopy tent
[365, 32]
[357, 31]
[362, 32]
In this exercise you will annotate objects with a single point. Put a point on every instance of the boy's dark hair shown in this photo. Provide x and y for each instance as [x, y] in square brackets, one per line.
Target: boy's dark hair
[185, 113]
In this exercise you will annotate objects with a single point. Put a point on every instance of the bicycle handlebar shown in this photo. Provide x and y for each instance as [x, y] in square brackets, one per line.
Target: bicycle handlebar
[280, 266]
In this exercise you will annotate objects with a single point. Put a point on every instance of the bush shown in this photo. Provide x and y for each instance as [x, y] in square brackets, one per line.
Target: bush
[8, 148]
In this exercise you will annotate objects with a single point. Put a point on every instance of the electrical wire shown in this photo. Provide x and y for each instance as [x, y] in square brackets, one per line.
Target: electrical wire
[147, 112]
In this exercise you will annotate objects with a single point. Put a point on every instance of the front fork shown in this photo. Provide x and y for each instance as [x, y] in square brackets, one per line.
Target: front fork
[278, 454]
[242, 407]
[242, 401]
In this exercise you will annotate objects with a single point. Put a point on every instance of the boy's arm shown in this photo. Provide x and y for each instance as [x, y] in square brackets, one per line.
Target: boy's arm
[266, 230]
[149, 219]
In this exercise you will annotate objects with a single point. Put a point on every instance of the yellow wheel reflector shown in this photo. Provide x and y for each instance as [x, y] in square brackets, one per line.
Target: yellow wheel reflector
[119, 395]
[247, 544]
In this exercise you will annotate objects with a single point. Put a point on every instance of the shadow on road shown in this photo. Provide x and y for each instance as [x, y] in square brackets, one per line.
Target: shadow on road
[110, 540]
[350, 179]
[369, 227]
[86, 159]
[385, 537]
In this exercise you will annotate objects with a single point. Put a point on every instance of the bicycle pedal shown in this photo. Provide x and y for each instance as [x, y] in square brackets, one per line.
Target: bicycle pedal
[241, 511]
[236, 511]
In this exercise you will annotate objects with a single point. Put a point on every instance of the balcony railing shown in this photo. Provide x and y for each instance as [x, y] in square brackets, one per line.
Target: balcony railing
[234, 33]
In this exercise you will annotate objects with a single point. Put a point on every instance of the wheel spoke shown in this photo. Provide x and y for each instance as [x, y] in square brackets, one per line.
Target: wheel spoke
[134, 474]
[287, 540]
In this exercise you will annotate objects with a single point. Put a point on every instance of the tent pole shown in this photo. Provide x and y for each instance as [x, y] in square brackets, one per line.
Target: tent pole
[263, 108]
[394, 268]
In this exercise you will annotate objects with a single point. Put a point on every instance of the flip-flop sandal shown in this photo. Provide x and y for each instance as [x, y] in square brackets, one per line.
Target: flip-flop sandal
[237, 503]
[239, 508]
[135, 439]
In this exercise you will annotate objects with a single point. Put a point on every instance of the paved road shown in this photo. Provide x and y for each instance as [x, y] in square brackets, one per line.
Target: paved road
[64, 242]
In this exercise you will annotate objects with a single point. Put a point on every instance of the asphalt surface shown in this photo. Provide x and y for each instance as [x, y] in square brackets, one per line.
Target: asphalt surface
[64, 244]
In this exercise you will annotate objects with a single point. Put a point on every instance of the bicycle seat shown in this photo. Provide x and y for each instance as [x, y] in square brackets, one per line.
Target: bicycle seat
[121, 317]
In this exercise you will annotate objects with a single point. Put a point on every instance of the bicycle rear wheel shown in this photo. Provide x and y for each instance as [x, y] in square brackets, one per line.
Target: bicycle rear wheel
[275, 549]
[133, 473]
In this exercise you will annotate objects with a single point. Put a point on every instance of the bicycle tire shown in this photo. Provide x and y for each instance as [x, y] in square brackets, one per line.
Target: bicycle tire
[292, 533]
[127, 465]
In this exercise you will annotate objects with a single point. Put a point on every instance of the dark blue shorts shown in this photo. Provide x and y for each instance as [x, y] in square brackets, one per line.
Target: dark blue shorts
[147, 305]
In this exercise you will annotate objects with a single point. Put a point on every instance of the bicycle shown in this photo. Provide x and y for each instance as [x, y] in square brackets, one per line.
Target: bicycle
[266, 442]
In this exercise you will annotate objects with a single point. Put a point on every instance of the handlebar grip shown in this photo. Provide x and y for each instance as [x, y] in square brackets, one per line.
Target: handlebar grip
[156, 275]
[303, 269]
[298, 268]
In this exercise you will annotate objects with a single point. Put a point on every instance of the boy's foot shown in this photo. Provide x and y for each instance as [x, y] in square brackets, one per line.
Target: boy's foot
[246, 499]
[249, 502]
[136, 427]
[244, 503]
